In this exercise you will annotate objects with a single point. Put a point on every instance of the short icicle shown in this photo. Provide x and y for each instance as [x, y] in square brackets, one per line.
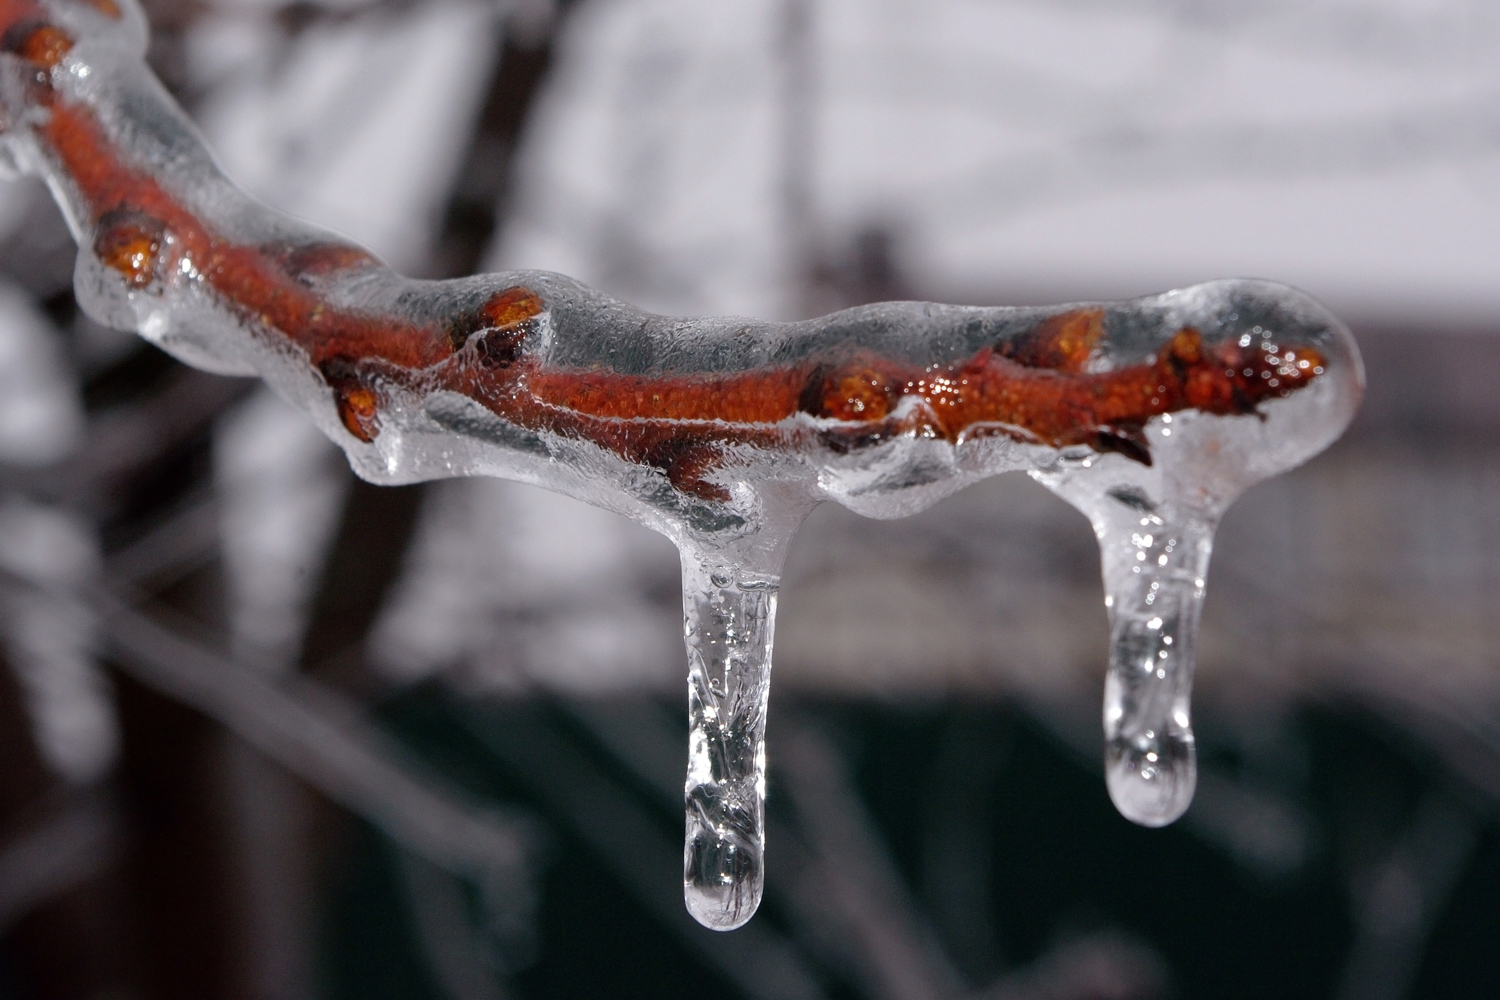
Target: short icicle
[729, 613]
[1154, 551]
[1154, 573]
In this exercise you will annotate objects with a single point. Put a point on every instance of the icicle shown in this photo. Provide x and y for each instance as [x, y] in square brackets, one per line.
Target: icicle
[1154, 569]
[1153, 579]
[1154, 557]
[728, 618]
[1155, 523]
[730, 583]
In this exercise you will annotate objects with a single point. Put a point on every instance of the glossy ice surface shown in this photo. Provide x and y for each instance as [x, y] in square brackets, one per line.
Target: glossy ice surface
[1150, 416]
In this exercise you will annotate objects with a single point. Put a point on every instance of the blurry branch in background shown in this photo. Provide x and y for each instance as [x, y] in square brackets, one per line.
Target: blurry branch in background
[316, 735]
[74, 841]
[798, 99]
[1401, 897]
[482, 194]
[637, 849]
[897, 952]
[834, 878]
[845, 898]
[1098, 966]
[456, 953]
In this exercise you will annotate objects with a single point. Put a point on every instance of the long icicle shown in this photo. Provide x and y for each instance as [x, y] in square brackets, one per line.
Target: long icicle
[729, 617]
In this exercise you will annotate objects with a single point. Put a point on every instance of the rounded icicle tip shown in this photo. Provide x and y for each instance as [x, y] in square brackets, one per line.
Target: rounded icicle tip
[722, 880]
[1151, 782]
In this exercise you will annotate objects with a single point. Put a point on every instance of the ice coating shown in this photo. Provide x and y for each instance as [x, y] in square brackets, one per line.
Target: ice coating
[729, 617]
[1150, 416]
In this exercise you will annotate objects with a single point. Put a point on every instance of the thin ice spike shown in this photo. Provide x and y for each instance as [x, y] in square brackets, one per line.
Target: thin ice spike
[729, 618]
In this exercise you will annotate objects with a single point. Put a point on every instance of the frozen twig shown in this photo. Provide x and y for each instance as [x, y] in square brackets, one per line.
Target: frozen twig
[1150, 416]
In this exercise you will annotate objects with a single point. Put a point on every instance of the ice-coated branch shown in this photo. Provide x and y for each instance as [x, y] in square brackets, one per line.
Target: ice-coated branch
[1150, 416]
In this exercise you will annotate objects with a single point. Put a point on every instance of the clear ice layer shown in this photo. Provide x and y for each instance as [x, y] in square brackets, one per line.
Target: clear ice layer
[1150, 416]
[728, 617]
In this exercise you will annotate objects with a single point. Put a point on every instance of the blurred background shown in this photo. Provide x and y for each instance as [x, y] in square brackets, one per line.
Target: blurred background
[267, 732]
